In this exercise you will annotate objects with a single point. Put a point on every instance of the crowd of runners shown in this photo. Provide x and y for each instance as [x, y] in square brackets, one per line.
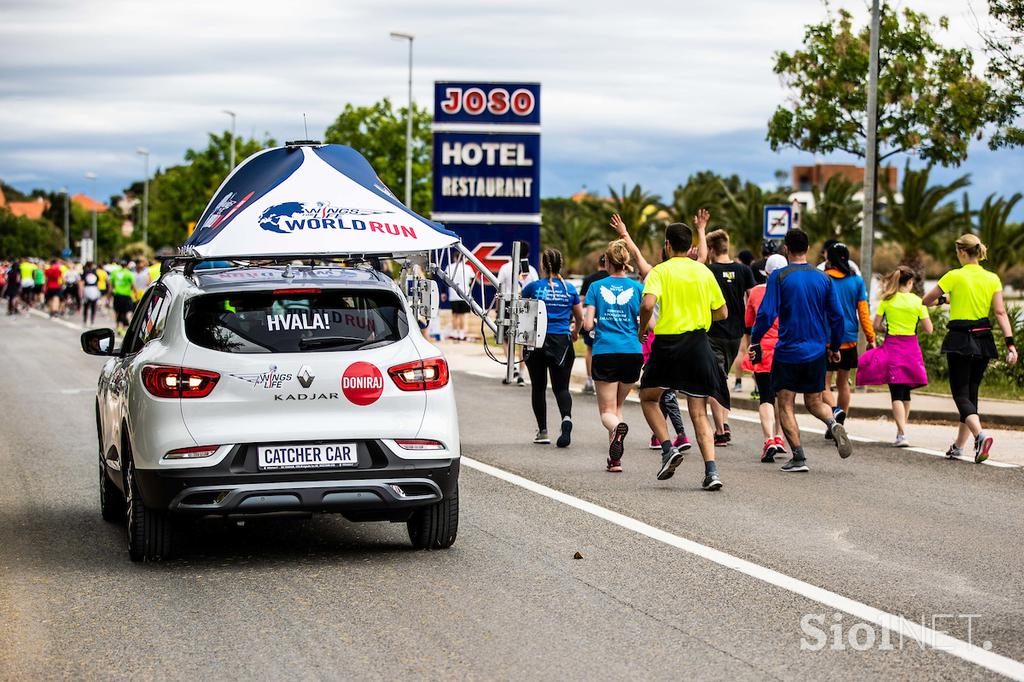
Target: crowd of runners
[681, 326]
[67, 289]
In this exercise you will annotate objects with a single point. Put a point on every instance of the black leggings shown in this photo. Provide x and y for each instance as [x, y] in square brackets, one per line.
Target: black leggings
[540, 363]
[965, 375]
[669, 405]
[88, 310]
[899, 392]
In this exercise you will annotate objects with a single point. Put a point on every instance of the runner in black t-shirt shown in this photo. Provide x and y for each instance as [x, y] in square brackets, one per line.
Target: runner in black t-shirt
[735, 280]
[588, 337]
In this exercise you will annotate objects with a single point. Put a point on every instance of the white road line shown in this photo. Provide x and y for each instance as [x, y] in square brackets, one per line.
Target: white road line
[65, 323]
[634, 398]
[897, 624]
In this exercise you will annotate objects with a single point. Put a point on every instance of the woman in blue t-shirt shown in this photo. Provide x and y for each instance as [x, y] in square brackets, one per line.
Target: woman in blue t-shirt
[556, 356]
[612, 312]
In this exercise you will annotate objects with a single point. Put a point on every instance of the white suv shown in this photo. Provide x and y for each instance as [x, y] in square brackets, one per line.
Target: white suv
[270, 390]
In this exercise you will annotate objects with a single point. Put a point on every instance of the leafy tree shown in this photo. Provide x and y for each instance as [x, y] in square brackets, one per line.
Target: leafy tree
[702, 190]
[178, 195]
[574, 228]
[378, 133]
[1005, 48]
[638, 210]
[20, 236]
[917, 223]
[930, 102]
[836, 213]
[993, 226]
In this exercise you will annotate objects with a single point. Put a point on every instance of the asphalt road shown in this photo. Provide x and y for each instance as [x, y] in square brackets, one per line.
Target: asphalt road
[324, 599]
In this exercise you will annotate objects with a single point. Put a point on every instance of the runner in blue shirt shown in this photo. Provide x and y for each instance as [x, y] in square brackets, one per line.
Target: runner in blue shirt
[810, 333]
[612, 312]
[556, 356]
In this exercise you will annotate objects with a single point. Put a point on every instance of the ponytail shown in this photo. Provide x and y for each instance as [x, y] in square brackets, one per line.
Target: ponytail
[617, 257]
[972, 247]
[892, 282]
[551, 262]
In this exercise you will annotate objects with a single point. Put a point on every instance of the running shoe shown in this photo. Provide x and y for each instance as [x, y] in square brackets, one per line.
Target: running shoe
[519, 379]
[616, 447]
[843, 444]
[542, 438]
[755, 395]
[795, 466]
[737, 387]
[614, 466]
[669, 461]
[712, 482]
[728, 432]
[721, 440]
[954, 452]
[565, 437]
[982, 445]
[655, 443]
[588, 388]
[901, 442]
[780, 446]
[682, 443]
[768, 451]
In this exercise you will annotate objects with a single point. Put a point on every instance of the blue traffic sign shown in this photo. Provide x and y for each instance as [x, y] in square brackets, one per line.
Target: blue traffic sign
[778, 220]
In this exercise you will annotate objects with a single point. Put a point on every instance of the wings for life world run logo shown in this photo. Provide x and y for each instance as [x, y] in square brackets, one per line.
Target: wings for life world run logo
[295, 216]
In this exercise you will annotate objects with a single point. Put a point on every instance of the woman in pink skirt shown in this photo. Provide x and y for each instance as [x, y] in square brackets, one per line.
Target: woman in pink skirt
[898, 361]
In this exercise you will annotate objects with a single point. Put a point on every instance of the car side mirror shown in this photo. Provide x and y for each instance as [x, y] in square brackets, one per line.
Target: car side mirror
[98, 342]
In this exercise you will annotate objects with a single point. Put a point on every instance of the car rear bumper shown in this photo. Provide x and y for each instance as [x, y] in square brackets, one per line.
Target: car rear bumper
[382, 486]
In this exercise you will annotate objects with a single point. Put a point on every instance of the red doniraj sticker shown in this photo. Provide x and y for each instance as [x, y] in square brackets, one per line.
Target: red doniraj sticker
[362, 383]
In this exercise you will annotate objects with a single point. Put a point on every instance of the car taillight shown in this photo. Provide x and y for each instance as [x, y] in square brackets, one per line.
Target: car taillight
[192, 453]
[421, 375]
[178, 382]
[419, 444]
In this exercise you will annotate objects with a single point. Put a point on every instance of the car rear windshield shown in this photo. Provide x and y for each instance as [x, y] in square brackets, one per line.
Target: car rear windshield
[294, 321]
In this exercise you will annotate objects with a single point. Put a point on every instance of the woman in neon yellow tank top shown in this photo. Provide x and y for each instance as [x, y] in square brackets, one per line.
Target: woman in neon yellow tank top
[971, 292]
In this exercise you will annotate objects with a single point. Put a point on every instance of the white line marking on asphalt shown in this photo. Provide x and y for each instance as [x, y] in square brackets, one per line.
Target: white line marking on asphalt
[897, 624]
[65, 323]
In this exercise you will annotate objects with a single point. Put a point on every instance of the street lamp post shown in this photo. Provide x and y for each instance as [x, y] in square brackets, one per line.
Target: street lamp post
[67, 223]
[144, 153]
[867, 238]
[231, 163]
[408, 121]
[95, 243]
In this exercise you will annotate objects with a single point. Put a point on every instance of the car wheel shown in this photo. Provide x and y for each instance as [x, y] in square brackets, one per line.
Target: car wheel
[436, 526]
[149, 530]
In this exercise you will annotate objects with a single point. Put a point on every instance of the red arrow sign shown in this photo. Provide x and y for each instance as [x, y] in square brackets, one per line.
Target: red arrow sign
[484, 252]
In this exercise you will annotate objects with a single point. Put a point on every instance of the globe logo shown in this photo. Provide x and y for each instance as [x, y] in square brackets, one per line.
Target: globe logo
[270, 219]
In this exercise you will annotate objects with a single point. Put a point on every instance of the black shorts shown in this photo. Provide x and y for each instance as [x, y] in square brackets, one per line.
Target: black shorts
[122, 304]
[53, 293]
[799, 377]
[765, 392]
[725, 351]
[621, 367]
[847, 360]
[460, 308]
[685, 362]
[899, 392]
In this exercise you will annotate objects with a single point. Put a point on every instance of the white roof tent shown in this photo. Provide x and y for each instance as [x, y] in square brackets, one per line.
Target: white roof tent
[307, 200]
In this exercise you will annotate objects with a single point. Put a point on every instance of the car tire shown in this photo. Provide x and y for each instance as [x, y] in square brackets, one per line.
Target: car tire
[436, 526]
[150, 532]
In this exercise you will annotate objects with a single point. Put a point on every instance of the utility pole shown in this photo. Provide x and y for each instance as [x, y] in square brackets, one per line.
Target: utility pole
[231, 162]
[408, 122]
[95, 244]
[144, 153]
[867, 238]
[67, 222]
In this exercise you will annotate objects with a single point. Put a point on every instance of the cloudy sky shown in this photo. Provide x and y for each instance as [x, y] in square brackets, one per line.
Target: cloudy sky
[638, 91]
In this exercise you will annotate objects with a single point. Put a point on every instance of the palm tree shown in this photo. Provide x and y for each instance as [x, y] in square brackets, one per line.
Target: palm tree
[702, 190]
[1005, 240]
[573, 228]
[638, 210]
[836, 214]
[922, 218]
